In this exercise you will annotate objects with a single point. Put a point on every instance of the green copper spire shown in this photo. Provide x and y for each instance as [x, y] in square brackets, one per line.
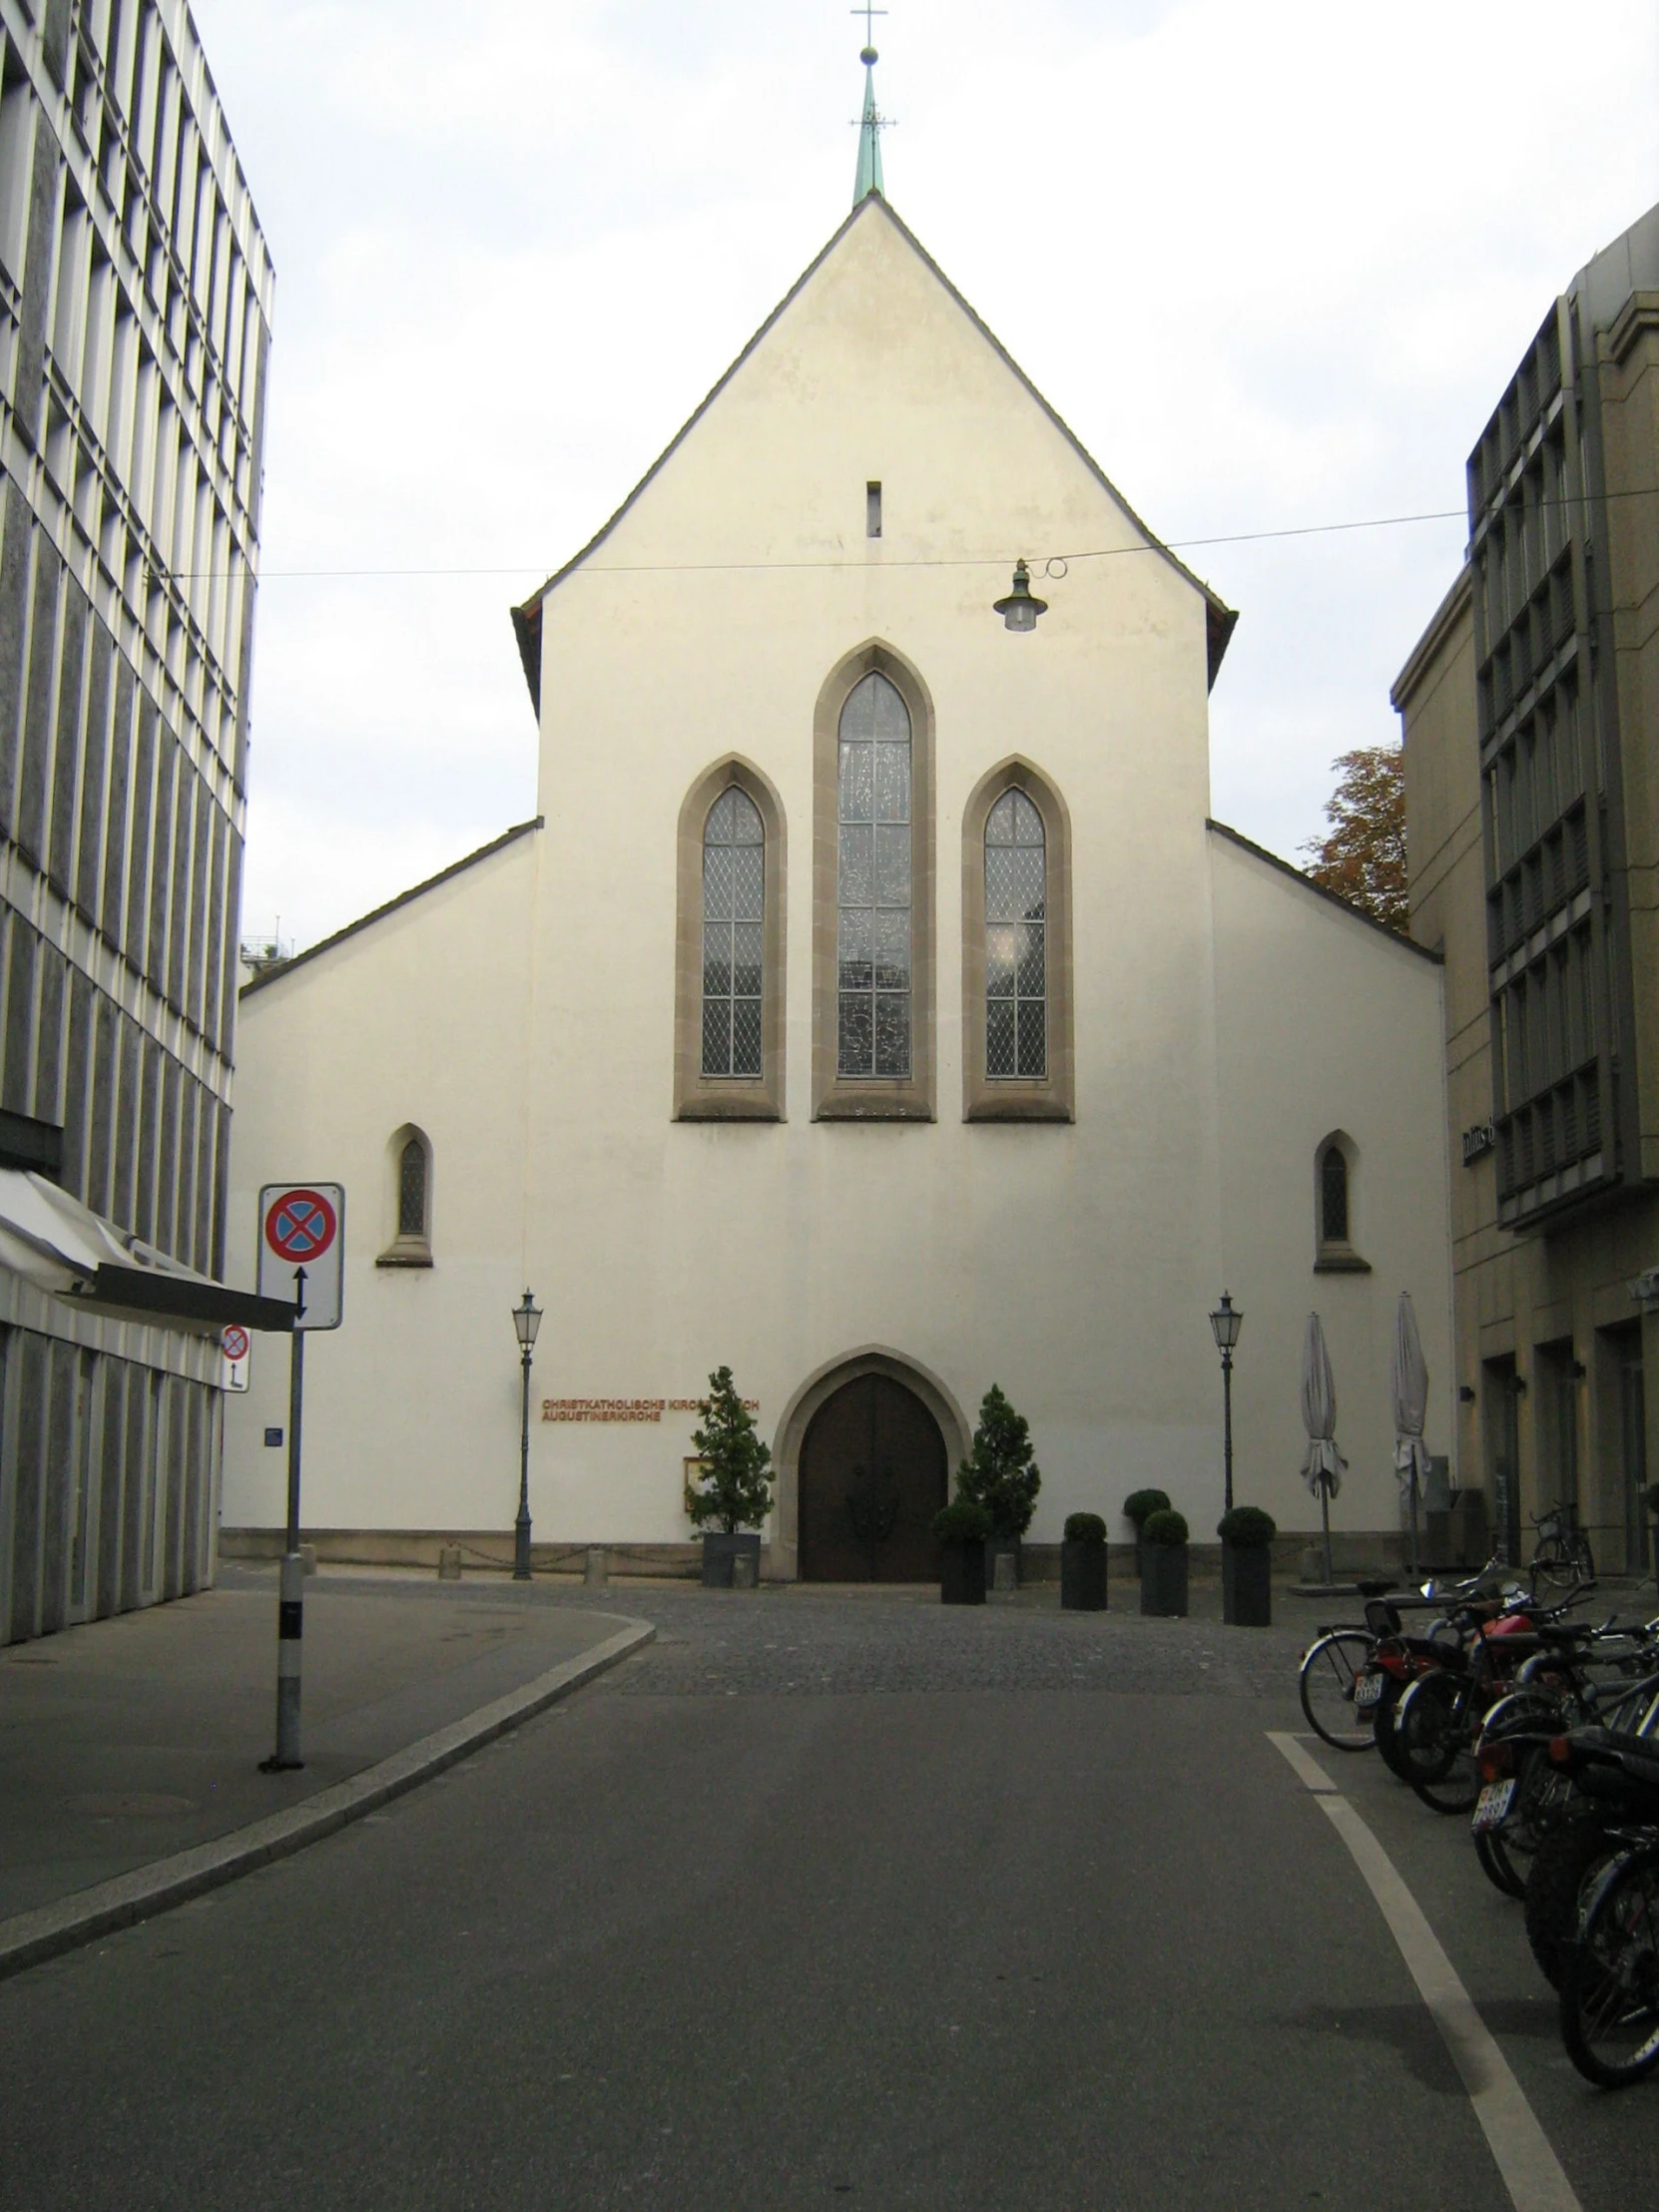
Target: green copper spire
[870, 129]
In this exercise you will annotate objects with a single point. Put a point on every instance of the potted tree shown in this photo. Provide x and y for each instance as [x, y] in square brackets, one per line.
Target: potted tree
[732, 1492]
[1136, 1507]
[1164, 1563]
[1083, 1564]
[963, 1528]
[1247, 1535]
[1001, 1475]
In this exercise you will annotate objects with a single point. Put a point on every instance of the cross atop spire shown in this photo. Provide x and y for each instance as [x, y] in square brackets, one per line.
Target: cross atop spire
[873, 122]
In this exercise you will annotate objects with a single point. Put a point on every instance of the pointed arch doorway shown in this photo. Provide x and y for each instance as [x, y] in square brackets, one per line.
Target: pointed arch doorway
[872, 1473]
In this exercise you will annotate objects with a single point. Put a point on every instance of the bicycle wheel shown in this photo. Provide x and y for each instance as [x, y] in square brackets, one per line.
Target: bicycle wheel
[1437, 1744]
[1610, 1990]
[1552, 1568]
[1506, 1852]
[1564, 1862]
[1382, 1727]
[1330, 1676]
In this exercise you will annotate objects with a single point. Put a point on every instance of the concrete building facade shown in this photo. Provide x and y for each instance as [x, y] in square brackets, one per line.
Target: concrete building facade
[134, 319]
[1530, 713]
[959, 1145]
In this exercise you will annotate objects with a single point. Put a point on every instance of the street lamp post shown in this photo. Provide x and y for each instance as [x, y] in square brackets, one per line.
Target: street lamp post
[526, 1321]
[1226, 1321]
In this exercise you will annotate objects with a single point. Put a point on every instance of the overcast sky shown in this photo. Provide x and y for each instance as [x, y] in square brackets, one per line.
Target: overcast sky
[1274, 262]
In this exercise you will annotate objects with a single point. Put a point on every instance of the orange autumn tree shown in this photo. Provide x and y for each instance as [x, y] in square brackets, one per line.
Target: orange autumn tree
[1361, 857]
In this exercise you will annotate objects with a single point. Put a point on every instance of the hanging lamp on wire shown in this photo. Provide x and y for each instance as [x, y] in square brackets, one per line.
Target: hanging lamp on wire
[1021, 608]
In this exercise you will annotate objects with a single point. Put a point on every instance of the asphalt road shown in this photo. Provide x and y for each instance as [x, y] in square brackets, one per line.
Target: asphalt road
[775, 1915]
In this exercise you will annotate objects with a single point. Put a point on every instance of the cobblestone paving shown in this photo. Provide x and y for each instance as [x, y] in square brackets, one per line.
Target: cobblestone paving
[787, 1642]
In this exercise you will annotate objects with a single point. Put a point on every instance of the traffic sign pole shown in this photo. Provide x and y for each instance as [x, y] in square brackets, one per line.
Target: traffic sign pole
[290, 1597]
[302, 1239]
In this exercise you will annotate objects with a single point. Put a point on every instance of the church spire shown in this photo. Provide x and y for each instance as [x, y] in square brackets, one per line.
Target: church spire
[871, 127]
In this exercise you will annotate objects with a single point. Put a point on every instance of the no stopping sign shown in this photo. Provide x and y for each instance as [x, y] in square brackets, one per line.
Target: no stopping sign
[302, 1226]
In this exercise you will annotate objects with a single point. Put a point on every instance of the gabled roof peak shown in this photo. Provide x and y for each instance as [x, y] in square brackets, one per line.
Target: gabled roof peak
[1220, 618]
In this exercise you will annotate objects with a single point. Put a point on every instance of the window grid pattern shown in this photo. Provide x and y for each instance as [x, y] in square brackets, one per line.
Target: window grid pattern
[873, 881]
[734, 895]
[1016, 950]
[1333, 1196]
[412, 1190]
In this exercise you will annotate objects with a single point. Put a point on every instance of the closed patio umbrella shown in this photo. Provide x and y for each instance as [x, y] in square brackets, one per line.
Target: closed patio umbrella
[1325, 1465]
[1410, 1379]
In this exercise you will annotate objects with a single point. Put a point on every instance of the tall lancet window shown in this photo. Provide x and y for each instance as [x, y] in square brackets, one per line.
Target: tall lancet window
[733, 910]
[873, 883]
[412, 1190]
[1016, 949]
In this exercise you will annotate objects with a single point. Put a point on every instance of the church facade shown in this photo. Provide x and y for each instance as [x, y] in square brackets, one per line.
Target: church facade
[872, 1006]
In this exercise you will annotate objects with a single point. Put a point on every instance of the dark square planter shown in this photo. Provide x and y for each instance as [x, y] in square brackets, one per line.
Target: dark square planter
[963, 1573]
[996, 1544]
[1247, 1585]
[718, 1550]
[1083, 1577]
[1163, 1579]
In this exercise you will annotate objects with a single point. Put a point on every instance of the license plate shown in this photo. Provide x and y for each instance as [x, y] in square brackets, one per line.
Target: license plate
[1492, 1805]
[1368, 1691]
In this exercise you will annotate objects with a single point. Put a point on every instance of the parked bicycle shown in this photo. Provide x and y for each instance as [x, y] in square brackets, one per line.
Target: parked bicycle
[1563, 1558]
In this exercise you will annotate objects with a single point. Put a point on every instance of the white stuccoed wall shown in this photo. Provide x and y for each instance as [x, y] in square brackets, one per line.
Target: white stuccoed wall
[1326, 1024]
[1074, 1264]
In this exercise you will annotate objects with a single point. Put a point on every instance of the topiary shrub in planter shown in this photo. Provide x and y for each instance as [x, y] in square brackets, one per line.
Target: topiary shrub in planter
[1083, 1564]
[1001, 1475]
[1137, 1507]
[1164, 1563]
[1247, 1535]
[732, 1492]
[962, 1529]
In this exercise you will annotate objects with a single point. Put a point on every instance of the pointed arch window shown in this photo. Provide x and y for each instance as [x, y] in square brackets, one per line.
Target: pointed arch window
[1334, 1212]
[410, 1158]
[733, 920]
[873, 883]
[1017, 1062]
[1016, 962]
[412, 1190]
[729, 947]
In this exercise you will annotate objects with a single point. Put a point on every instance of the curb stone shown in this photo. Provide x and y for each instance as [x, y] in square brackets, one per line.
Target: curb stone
[50, 1929]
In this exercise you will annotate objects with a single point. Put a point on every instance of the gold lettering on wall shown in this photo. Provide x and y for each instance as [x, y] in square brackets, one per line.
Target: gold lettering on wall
[625, 1408]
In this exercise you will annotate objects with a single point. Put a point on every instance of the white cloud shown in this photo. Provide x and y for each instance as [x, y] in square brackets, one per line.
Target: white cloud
[1273, 263]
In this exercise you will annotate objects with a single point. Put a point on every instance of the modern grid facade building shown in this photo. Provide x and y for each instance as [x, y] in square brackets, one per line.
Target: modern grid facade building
[1531, 727]
[135, 321]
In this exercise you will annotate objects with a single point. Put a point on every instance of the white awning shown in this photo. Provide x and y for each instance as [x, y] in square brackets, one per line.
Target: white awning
[60, 1245]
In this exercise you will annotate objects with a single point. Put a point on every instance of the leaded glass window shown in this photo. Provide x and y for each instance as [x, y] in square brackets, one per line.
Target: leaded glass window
[1333, 1196]
[1016, 950]
[412, 1190]
[873, 883]
[734, 888]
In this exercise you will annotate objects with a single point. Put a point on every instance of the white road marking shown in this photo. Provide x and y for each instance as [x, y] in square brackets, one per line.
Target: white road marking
[1531, 2172]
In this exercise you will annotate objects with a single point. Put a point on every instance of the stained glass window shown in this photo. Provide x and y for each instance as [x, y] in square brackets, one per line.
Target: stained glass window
[1016, 950]
[873, 883]
[734, 891]
[412, 1190]
[1334, 1195]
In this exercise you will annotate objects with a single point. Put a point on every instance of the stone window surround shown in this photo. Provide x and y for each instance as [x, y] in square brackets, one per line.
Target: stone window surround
[1005, 1097]
[402, 1250]
[871, 1098]
[699, 1097]
[1336, 1256]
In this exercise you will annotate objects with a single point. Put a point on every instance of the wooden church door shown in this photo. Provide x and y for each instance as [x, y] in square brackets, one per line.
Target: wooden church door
[873, 1476]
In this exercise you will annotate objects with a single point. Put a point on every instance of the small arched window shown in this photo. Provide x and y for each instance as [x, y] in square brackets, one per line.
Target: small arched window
[1016, 960]
[1334, 1208]
[409, 1204]
[412, 1190]
[733, 920]
[1333, 1196]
